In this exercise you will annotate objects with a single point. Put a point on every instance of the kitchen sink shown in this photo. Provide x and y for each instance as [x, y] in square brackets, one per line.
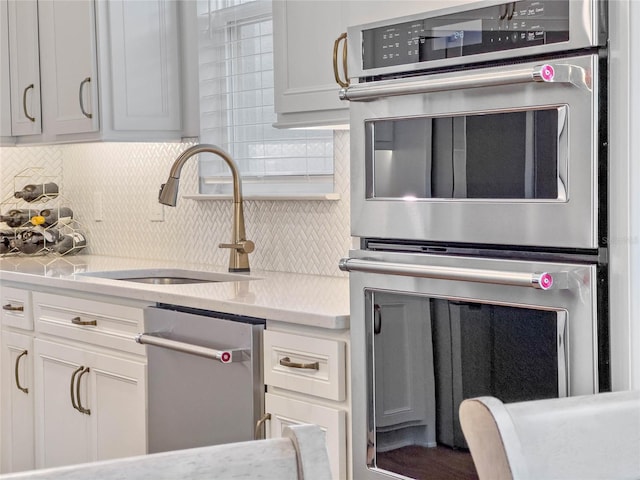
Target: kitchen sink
[168, 276]
[167, 280]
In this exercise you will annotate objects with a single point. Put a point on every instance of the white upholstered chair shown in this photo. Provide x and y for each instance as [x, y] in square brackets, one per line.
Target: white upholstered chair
[574, 438]
[300, 454]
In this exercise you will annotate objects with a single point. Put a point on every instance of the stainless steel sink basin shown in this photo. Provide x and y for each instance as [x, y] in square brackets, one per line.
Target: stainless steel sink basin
[166, 280]
[168, 276]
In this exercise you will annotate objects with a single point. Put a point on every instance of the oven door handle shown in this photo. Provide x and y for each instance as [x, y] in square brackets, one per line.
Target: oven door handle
[542, 281]
[546, 73]
[223, 356]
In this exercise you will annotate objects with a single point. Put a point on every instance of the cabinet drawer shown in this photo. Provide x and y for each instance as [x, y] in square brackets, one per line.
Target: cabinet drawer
[16, 308]
[106, 324]
[285, 411]
[286, 356]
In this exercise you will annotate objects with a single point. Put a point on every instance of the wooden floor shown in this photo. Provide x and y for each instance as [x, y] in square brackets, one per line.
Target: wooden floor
[439, 463]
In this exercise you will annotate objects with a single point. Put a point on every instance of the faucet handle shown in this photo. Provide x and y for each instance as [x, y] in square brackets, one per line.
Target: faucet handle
[243, 246]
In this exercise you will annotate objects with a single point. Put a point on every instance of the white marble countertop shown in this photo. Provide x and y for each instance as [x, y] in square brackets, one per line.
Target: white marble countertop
[313, 300]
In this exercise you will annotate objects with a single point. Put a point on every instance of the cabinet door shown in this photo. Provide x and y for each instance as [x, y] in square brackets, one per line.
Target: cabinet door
[117, 398]
[145, 64]
[305, 90]
[62, 430]
[5, 92]
[24, 67]
[69, 66]
[17, 402]
[286, 411]
[85, 402]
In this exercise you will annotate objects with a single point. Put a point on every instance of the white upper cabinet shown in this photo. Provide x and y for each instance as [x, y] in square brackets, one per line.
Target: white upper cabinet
[145, 64]
[5, 92]
[304, 32]
[24, 67]
[110, 70]
[68, 62]
[306, 93]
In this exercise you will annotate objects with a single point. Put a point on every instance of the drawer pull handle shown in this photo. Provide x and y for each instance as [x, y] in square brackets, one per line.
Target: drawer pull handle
[12, 308]
[259, 424]
[20, 387]
[79, 321]
[286, 362]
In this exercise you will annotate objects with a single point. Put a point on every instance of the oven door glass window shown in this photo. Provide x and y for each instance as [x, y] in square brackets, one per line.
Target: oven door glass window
[515, 155]
[428, 354]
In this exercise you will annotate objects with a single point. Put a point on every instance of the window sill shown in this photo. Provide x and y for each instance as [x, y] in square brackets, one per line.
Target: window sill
[271, 197]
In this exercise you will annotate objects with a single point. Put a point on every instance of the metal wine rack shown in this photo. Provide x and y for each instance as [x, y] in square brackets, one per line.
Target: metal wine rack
[29, 239]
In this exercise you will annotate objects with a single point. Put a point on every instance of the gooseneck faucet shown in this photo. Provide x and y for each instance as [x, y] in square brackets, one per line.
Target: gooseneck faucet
[240, 246]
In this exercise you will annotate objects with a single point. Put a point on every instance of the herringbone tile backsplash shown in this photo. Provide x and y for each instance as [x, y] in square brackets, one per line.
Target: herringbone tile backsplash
[291, 236]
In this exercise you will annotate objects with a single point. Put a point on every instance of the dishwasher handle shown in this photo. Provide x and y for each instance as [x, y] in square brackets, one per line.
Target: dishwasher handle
[223, 356]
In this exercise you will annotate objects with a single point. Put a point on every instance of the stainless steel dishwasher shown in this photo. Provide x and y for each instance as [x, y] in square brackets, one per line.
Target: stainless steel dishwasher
[205, 382]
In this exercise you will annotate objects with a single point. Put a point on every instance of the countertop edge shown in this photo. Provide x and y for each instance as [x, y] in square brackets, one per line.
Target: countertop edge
[132, 292]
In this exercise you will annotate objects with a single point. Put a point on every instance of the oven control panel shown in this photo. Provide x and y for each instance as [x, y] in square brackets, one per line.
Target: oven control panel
[490, 29]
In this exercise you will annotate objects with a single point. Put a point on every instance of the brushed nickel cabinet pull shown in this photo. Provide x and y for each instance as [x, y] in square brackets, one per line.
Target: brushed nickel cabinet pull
[79, 321]
[343, 83]
[286, 362]
[73, 379]
[82, 109]
[20, 387]
[259, 424]
[81, 409]
[24, 103]
[11, 308]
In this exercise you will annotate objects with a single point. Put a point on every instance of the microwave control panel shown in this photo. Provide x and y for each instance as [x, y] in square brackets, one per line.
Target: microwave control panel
[496, 28]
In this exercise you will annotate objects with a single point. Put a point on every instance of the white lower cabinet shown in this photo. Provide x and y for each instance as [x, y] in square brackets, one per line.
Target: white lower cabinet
[72, 380]
[17, 389]
[90, 406]
[16, 381]
[305, 374]
[333, 421]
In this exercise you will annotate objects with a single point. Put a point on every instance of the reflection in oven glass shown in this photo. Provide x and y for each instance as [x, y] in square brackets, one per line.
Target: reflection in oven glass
[428, 354]
[505, 155]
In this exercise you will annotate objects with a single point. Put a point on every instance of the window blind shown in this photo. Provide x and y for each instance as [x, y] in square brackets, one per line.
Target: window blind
[237, 107]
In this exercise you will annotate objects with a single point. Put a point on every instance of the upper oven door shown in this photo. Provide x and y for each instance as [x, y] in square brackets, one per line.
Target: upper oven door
[505, 155]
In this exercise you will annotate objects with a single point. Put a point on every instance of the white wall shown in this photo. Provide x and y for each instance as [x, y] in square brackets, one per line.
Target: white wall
[624, 185]
[301, 236]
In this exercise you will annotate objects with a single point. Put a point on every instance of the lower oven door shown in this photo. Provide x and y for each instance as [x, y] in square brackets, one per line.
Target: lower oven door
[428, 331]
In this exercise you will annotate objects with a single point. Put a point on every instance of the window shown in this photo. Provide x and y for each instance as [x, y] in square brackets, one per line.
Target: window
[237, 108]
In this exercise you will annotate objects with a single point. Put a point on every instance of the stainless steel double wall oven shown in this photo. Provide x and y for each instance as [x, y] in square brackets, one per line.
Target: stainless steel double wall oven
[479, 160]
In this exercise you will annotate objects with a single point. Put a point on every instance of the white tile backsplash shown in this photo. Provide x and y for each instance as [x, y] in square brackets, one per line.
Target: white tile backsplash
[301, 236]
